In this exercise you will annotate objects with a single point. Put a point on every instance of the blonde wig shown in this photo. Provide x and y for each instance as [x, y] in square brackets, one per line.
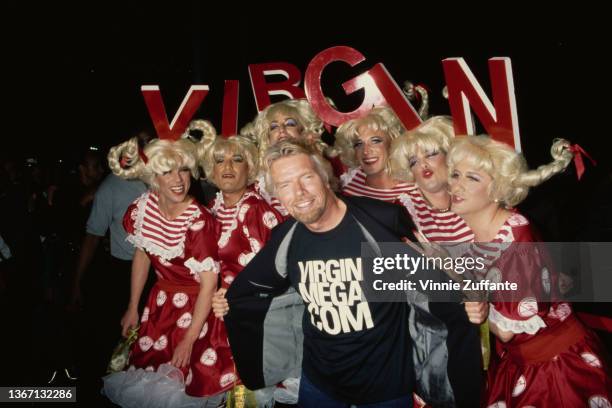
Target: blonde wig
[380, 118]
[239, 145]
[508, 169]
[434, 135]
[157, 157]
[309, 124]
[207, 135]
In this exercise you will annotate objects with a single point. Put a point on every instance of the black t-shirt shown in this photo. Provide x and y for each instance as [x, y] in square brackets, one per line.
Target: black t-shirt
[356, 351]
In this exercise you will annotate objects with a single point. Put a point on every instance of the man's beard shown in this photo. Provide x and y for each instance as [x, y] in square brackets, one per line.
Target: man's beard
[313, 215]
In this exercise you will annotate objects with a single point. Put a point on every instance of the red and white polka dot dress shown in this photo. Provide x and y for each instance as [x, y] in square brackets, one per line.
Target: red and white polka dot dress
[242, 230]
[179, 250]
[552, 360]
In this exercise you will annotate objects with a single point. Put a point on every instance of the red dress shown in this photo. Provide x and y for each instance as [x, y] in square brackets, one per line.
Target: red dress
[552, 360]
[242, 230]
[178, 251]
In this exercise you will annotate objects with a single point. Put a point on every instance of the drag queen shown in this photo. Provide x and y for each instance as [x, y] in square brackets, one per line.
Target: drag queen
[181, 356]
[418, 157]
[546, 357]
[364, 145]
[245, 219]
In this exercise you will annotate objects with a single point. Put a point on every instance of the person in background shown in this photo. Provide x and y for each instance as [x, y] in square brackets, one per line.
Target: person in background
[101, 281]
[68, 201]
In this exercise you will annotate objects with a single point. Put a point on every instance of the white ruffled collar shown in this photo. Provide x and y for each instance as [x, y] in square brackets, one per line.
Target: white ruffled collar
[225, 235]
[156, 246]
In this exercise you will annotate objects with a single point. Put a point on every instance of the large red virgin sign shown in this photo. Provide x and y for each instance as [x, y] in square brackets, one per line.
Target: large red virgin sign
[466, 97]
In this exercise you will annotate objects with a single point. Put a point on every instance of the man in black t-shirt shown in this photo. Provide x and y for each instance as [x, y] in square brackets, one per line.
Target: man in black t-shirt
[355, 352]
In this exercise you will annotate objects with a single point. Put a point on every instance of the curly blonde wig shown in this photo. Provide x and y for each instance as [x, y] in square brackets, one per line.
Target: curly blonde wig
[299, 109]
[434, 135]
[508, 169]
[380, 118]
[235, 145]
[161, 155]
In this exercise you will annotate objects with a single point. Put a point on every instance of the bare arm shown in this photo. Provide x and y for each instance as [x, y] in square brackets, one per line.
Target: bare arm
[140, 270]
[202, 308]
[504, 336]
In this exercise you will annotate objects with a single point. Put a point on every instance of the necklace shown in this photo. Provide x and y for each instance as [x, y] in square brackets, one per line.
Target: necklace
[433, 206]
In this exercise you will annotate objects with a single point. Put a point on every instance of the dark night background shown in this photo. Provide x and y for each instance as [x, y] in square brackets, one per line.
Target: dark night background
[74, 72]
[72, 76]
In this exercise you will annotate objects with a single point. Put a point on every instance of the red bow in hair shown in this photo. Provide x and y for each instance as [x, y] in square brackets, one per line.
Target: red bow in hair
[578, 152]
[417, 94]
[124, 160]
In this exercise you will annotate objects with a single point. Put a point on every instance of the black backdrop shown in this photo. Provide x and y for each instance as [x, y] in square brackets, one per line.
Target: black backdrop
[73, 72]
